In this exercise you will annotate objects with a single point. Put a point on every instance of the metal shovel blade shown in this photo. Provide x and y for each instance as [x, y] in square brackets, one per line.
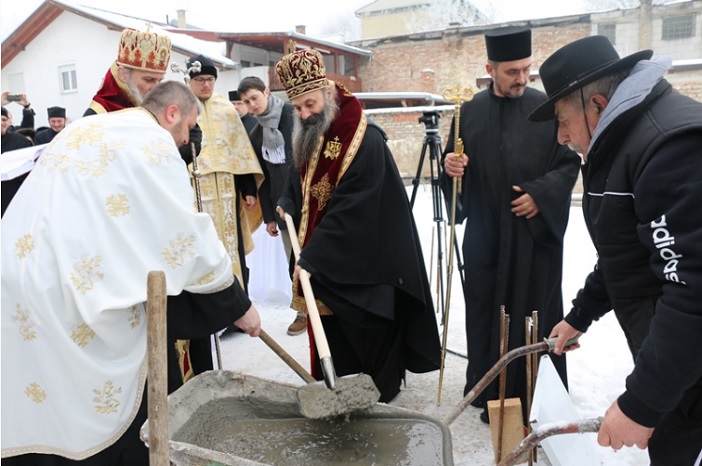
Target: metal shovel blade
[350, 393]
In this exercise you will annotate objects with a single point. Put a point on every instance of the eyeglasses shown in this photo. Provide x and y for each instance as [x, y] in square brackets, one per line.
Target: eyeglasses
[201, 80]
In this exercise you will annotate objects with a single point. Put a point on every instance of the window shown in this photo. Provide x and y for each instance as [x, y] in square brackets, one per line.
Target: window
[68, 77]
[678, 27]
[609, 31]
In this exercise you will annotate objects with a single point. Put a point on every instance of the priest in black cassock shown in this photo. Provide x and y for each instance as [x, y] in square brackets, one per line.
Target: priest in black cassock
[516, 186]
[358, 237]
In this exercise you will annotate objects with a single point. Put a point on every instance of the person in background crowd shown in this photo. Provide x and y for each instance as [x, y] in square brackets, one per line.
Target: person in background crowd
[27, 111]
[57, 121]
[11, 140]
[272, 140]
[246, 118]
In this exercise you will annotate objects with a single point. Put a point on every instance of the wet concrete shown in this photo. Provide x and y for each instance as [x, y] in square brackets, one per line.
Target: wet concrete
[246, 420]
[335, 442]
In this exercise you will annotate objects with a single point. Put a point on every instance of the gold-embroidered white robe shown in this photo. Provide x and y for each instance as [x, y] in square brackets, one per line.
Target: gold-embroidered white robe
[226, 152]
[108, 201]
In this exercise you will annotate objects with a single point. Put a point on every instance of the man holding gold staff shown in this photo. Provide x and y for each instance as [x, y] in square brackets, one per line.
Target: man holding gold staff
[516, 184]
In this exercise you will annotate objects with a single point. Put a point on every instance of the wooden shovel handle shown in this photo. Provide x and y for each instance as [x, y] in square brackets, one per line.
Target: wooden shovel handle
[317, 330]
[285, 356]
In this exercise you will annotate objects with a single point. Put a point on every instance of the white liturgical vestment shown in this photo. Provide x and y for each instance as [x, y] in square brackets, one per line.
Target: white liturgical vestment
[108, 201]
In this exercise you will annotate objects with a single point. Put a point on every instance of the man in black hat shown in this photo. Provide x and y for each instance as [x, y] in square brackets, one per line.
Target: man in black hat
[230, 172]
[57, 121]
[642, 146]
[516, 186]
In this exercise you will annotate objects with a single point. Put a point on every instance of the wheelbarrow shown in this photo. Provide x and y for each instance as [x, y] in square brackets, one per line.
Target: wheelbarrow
[230, 418]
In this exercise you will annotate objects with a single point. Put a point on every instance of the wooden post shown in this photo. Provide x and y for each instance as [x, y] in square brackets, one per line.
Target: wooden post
[508, 431]
[157, 380]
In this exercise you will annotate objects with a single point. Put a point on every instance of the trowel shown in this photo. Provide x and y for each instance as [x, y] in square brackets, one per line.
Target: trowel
[338, 395]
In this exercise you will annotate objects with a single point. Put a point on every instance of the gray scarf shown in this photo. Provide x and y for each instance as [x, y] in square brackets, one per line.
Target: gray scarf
[273, 147]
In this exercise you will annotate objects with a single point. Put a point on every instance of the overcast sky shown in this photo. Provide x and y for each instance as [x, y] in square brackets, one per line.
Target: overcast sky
[269, 15]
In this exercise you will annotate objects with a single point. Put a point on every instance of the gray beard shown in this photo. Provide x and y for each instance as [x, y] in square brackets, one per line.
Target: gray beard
[306, 133]
[138, 98]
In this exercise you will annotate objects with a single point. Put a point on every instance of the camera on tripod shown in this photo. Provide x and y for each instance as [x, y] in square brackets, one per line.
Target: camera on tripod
[430, 120]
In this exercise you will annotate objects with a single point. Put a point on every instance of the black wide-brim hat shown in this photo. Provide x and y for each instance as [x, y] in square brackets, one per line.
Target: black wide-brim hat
[578, 64]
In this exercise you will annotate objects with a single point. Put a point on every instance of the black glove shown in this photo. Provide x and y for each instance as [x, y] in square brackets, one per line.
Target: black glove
[196, 138]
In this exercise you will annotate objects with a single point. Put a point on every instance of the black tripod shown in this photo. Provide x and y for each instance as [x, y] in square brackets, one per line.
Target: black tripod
[432, 141]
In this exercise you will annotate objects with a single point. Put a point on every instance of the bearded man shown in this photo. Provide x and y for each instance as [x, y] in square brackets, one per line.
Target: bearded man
[142, 61]
[358, 237]
[516, 183]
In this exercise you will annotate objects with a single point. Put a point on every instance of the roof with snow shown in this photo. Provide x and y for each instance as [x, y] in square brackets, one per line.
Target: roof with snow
[212, 44]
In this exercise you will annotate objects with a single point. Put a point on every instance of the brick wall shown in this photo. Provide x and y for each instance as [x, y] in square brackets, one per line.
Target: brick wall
[406, 139]
[434, 65]
[434, 62]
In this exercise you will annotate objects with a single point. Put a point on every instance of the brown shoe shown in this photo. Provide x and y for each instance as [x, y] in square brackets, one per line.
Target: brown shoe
[299, 325]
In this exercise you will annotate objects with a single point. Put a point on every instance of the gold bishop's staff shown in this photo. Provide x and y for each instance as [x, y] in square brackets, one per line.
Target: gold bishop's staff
[196, 67]
[456, 95]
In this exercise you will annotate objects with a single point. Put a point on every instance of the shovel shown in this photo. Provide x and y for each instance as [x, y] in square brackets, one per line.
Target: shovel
[350, 393]
[316, 401]
[285, 356]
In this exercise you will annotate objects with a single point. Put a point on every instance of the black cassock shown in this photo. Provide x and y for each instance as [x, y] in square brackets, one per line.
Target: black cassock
[510, 260]
[367, 267]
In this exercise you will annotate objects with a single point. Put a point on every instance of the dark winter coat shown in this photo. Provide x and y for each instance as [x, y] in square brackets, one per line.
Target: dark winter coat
[367, 267]
[643, 184]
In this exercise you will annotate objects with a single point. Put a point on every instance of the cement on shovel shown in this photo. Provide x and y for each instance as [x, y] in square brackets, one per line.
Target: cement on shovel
[351, 393]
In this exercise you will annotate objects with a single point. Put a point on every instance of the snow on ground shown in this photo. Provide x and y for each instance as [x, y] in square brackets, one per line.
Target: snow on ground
[596, 371]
